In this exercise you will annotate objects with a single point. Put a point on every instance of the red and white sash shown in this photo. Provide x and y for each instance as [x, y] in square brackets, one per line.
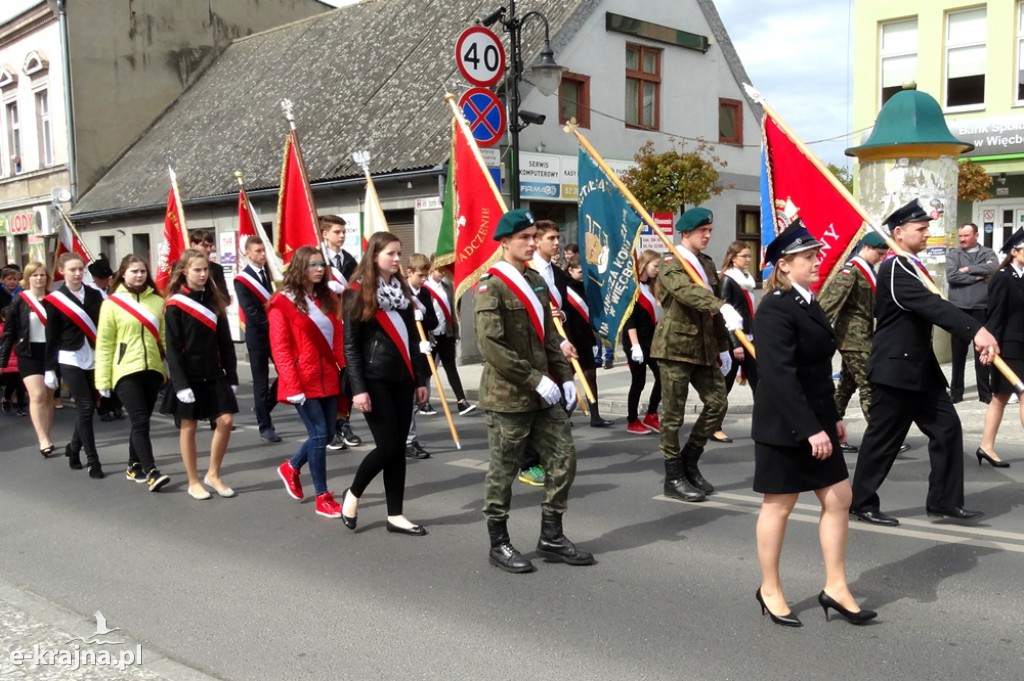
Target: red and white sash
[254, 285]
[517, 283]
[556, 297]
[866, 269]
[316, 318]
[75, 312]
[441, 298]
[577, 301]
[394, 326]
[102, 292]
[694, 262]
[646, 300]
[137, 310]
[197, 311]
[34, 305]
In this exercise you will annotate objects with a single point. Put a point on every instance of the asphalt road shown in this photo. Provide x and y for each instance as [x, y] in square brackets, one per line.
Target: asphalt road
[259, 587]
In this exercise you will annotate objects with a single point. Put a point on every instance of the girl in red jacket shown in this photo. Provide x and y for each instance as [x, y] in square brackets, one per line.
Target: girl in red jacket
[308, 347]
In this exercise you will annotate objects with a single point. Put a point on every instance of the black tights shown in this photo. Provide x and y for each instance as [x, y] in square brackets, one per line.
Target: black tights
[83, 389]
[389, 418]
[445, 349]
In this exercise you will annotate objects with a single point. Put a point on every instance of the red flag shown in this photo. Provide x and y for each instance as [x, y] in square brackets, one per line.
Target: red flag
[69, 242]
[796, 184]
[479, 209]
[173, 245]
[297, 223]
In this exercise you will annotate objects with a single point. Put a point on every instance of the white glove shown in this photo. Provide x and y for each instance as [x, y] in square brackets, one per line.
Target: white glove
[726, 359]
[234, 390]
[104, 393]
[548, 391]
[636, 354]
[297, 400]
[335, 287]
[425, 347]
[732, 318]
[418, 314]
[569, 390]
[50, 380]
[186, 396]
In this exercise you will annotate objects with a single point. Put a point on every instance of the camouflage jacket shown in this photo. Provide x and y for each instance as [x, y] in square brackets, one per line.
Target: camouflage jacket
[849, 304]
[515, 360]
[691, 330]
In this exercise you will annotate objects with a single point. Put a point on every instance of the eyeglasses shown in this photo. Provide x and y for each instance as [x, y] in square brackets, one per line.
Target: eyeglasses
[318, 265]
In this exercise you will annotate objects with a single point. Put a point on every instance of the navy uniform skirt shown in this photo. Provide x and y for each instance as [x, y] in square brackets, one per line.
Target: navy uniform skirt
[791, 470]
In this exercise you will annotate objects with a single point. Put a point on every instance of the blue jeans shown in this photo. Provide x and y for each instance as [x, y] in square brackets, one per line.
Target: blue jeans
[318, 415]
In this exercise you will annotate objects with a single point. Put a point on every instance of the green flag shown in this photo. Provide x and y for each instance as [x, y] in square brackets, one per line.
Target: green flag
[444, 252]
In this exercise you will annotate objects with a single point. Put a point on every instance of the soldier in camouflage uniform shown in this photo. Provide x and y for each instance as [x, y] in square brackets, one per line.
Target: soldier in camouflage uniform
[521, 399]
[690, 343]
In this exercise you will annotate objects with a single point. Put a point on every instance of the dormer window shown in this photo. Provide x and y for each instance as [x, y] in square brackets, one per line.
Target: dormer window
[35, 64]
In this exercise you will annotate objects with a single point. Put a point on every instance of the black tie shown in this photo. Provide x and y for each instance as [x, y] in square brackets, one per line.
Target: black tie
[337, 262]
[263, 279]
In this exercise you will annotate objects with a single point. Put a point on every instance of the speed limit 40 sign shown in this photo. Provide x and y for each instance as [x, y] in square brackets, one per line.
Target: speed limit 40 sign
[480, 56]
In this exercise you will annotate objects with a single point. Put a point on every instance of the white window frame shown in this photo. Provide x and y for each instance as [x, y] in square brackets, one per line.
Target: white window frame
[44, 125]
[950, 47]
[13, 137]
[884, 54]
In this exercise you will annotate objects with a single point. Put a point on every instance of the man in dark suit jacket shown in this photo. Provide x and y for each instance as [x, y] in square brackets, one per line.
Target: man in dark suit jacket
[253, 289]
[907, 385]
[202, 240]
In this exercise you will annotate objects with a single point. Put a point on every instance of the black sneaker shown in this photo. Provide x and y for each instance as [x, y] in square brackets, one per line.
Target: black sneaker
[347, 435]
[135, 472]
[156, 480]
[427, 409]
[465, 407]
[415, 451]
[338, 442]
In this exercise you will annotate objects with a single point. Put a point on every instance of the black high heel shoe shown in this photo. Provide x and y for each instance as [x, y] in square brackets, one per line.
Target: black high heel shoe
[789, 620]
[982, 454]
[859, 618]
[350, 521]
[46, 451]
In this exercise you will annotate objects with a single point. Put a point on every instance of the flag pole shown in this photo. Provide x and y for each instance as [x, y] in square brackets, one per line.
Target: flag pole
[71, 225]
[177, 203]
[997, 361]
[273, 257]
[363, 159]
[288, 109]
[572, 128]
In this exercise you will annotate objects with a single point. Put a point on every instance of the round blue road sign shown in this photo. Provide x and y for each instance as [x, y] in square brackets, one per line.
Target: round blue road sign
[485, 115]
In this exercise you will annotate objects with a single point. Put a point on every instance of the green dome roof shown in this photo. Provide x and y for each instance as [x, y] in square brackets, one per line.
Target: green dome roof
[910, 118]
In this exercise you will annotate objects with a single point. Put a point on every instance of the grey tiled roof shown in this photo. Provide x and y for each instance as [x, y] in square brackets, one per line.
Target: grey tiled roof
[367, 76]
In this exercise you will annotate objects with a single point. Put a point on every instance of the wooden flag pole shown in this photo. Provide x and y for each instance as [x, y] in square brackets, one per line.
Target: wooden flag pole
[997, 361]
[575, 362]
[71, 226]
[572, 128]
[288, 109]
[273, 257]
[177, 203]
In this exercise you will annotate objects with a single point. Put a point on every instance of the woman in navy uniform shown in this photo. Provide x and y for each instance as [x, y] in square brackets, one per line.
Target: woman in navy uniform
[1006, 322]
[796, 429]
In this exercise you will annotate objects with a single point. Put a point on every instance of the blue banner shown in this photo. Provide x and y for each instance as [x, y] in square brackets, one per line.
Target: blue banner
[609, 228]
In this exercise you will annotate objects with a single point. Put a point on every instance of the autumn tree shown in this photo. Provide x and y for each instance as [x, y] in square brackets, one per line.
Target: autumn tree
[672, 179]
[974, 183]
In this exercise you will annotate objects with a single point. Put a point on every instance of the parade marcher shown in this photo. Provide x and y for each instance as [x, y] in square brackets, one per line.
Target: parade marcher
[253, 290]
[907, 384]
[1006, 321]
[387, 371]
[416, 276]
[737, 289]
[203, 368]
[796, 428]
[307, 342]
[446, 334]
[691, 346]
[14, 399]
[25, 338]
[637, 335]
[341, 264]
[581, 335]
[129, 360]
[849, 303]
[519, 389]
[71, 315]
[967, 271]
[202, 240]
[108, 407]
[9, 285]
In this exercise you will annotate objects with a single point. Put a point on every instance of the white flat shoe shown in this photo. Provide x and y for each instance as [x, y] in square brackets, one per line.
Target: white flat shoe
[225, 491]
[201, 495]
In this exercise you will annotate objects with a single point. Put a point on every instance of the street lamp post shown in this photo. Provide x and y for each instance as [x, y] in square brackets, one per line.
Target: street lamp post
[545, 75]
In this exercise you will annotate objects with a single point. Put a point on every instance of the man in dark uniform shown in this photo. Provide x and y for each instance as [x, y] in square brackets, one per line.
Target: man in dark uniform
[253, 290]
[907, 385]
[691, 345]
[202, 240]
[519, 389]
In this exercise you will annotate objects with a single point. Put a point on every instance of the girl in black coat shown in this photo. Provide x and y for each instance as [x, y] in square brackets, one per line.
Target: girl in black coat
[203, 369]
[1006, 322]
[796, 428]
[637, 335]
[736, 287]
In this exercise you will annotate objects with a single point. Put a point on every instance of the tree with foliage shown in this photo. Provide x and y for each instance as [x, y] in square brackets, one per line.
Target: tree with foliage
[974, 183]
[672, 179]
[842, 174]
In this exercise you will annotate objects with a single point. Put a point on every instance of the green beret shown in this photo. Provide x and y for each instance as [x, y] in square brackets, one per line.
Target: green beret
[513, 221]
[694, 218]
[873, 239]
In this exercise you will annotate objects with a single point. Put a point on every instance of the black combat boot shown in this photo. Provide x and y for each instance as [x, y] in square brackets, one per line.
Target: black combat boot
[556, 546]
[93, 463]
[74, 459]
[676, 484]
[503, 554]
[690, 456]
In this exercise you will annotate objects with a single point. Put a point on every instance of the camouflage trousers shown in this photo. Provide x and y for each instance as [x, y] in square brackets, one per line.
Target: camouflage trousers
[508, 433]
[853, 376]
[676, 378]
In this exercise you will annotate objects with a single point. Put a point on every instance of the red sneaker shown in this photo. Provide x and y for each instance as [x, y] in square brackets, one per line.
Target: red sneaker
[636, 428]
[290, 476]
[652, 421]
[327, 506]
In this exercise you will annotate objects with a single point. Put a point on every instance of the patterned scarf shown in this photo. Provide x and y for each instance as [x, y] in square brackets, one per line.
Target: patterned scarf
[390, 295]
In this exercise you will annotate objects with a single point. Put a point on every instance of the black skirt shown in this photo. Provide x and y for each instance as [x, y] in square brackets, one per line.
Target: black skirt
[791, 470]
[34, 365]
[213, 398]
[1000, 385]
